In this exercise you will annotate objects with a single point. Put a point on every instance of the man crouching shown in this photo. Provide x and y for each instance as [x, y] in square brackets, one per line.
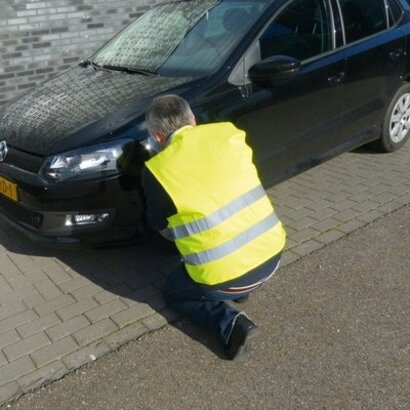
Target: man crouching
[203, 191]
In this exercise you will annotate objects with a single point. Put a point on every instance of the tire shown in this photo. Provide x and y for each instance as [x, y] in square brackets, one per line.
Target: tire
[396, 125]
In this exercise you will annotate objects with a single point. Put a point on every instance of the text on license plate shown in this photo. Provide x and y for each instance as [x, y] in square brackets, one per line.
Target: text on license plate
[8, 189]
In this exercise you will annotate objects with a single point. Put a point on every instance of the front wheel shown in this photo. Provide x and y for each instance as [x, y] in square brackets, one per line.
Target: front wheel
[396, 125]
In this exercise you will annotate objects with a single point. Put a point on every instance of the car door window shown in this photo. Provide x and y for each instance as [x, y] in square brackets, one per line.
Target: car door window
[395, 12]
[362, 18]
[301, 30]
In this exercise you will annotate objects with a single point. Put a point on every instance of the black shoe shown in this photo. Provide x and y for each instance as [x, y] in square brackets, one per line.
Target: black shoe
[242, 333]
[242, 299]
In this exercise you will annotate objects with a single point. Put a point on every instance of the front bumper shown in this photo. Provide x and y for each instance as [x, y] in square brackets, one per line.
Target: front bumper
[45, 212]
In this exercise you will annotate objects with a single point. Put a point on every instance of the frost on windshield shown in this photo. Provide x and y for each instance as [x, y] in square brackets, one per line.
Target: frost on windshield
[149, 41]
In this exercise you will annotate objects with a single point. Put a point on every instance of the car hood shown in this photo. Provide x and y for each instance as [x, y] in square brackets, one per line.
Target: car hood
[53, 116]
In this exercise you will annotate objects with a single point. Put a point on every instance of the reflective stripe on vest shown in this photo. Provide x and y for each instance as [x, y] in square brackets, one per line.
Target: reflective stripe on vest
[234, 244]
[220, 215]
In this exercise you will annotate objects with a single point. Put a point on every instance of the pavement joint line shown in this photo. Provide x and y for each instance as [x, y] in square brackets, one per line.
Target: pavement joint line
[345, 188]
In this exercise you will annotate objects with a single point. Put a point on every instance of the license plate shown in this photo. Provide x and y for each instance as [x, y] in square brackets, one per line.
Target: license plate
[8, 189]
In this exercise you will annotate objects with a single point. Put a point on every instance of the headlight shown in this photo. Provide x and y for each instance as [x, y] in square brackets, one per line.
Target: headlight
[89, 162]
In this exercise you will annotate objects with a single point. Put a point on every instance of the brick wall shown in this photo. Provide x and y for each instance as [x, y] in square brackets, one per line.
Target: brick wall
[41, 38]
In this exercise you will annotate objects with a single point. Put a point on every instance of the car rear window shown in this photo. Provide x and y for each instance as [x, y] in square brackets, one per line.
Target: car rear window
[362, 18]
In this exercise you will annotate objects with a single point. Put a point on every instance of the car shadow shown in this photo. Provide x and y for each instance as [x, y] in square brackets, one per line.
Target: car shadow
[367, 149]
[135, 273]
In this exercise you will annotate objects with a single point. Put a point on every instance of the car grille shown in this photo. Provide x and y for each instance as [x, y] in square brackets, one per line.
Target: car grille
[19, 214]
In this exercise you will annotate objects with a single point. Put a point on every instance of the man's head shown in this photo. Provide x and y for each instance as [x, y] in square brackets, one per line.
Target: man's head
[167, 114]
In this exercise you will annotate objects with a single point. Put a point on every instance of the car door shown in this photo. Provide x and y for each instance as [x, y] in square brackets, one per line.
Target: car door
[375, 54]
[294, 122]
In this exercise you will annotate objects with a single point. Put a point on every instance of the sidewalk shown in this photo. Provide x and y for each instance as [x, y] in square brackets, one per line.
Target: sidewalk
[60, 310]
[334, 335]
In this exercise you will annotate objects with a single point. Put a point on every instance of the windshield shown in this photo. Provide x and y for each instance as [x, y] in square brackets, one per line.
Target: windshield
[185, 38]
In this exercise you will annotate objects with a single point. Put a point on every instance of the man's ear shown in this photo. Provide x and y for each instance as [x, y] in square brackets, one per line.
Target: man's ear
[160, 138]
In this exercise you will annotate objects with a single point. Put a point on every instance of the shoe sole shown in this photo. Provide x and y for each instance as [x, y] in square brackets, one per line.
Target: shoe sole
[245, 347]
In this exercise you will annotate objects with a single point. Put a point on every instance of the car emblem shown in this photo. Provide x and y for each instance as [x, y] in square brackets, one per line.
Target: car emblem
[3, 150]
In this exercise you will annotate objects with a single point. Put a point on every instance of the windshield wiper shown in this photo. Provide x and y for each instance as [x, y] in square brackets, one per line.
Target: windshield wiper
[96, 66]
[131, 70]
[107, 67]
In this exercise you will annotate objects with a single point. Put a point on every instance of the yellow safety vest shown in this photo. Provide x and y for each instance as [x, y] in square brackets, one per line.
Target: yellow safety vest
[225, 224]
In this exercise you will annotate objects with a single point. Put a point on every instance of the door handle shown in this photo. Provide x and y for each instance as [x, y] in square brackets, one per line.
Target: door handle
[336, 79]
[396, 54]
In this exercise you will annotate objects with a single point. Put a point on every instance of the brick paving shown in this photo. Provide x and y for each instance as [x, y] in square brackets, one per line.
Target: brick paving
[62, 309]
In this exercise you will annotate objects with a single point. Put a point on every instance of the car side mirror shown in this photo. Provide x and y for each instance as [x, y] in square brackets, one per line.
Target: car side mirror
[274, 68]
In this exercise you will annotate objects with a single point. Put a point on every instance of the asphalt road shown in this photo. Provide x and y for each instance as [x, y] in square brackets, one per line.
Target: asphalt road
[335, 334]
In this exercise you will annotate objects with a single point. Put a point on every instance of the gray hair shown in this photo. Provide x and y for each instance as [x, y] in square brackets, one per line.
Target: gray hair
[167, 114]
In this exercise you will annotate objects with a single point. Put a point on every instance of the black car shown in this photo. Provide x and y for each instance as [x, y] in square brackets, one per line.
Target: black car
[306, 79]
